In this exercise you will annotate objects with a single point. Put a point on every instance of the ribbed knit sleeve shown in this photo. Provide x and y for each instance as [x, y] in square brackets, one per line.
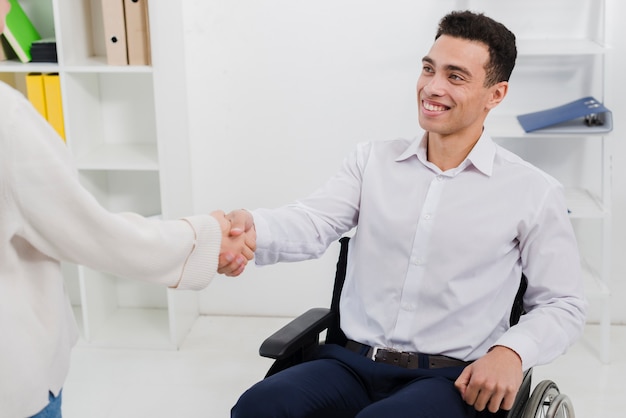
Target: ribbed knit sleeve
[202, 261]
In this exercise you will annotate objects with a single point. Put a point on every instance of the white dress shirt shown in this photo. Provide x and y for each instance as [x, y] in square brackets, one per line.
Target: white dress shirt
[46, 216]
[437, 257]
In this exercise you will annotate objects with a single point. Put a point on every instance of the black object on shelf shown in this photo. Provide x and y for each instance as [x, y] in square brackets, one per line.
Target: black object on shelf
[44, 50]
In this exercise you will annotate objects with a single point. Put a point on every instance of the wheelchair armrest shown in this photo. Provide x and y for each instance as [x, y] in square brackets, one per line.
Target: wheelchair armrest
[296, 334]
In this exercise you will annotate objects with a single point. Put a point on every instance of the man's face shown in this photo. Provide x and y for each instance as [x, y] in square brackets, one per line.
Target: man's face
[451, 93]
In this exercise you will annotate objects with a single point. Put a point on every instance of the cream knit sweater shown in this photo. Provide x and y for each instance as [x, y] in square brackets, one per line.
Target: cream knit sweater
[47, 217]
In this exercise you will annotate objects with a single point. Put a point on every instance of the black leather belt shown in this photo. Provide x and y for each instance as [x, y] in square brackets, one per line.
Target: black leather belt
[408, 360]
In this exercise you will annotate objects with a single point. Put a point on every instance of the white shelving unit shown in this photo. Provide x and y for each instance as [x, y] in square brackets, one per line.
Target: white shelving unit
[562, 56]
[127, 130]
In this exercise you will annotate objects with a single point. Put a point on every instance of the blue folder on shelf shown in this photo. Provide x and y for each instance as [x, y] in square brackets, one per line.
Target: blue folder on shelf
[583, 116]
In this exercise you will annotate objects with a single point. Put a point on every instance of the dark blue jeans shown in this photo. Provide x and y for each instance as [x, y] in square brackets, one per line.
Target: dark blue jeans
[338, 383]
[53, 409]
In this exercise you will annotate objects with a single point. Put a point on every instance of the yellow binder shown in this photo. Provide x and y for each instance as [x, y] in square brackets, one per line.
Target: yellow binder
[54, 104]
[36, 93]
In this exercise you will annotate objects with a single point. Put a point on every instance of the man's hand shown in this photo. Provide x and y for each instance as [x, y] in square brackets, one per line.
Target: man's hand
[492, 381]
[238, 243]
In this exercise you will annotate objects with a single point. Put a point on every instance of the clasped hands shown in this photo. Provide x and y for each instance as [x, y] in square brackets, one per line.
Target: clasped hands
[238, 241]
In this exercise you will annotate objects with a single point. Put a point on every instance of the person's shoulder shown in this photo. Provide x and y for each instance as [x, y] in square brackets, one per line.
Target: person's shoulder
[9, 96]
[9, 91]
[525, 169]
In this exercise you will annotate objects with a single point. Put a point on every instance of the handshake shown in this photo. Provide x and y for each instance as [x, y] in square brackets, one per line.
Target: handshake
[238, 241]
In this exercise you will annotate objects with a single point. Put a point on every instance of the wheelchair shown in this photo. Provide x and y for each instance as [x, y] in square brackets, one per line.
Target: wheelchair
[293, 344]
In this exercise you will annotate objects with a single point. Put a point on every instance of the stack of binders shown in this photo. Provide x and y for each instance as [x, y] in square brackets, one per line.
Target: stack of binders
[126, 32]
[44, 92]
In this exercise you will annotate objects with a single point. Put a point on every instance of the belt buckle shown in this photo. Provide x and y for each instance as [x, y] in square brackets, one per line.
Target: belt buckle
[375, 350]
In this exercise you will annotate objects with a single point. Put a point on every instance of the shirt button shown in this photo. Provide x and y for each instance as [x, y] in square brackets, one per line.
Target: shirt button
[409, 307]
[428, 216]
[440, 178]
[417, 261]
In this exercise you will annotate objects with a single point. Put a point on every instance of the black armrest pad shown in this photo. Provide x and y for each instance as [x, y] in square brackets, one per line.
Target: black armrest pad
[296, 333]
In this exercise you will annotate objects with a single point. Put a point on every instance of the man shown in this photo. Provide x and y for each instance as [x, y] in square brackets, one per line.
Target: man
[446, 225]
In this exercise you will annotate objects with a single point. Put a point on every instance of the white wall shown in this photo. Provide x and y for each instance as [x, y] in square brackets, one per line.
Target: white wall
[281, 90]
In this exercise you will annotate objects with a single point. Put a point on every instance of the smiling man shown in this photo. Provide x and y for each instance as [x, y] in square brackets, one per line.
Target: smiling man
[445, 226]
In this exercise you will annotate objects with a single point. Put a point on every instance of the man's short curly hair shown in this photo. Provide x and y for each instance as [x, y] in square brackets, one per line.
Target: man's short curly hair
[477, 27]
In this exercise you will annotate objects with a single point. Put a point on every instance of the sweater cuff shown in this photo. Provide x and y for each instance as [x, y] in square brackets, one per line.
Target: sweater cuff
[201, 266]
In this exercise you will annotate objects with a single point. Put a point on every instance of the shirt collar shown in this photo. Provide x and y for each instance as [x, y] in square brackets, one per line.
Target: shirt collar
[481, 156]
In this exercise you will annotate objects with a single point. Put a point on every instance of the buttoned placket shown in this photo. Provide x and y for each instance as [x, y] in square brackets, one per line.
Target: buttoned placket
[417, 263]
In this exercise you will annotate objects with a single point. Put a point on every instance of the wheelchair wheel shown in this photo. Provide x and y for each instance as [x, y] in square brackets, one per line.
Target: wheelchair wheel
[547, 402]
[561, 407]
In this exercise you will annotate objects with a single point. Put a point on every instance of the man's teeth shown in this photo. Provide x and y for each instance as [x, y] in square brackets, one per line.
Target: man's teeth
[435, 108]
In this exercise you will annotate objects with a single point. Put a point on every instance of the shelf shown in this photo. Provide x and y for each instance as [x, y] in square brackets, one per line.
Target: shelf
[558, 47]
[31, 67]
[507, 126]
[595, 288]
[583, 204]
[78, 316]
[132, 157]
[98, 64]
[134, 328]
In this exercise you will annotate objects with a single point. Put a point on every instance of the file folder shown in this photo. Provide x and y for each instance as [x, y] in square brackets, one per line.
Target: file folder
[114, 23]
[54, 104]
[36, 93]
[137, 32]
[585, 115]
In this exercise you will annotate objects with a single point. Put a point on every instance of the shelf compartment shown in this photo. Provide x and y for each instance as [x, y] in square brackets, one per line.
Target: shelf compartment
[129, 157]
[123, 191]
[140, 328]
[120, 312]
[108, 109]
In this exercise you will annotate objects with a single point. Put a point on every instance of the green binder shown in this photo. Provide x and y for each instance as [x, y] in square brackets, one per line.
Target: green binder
[20, 32]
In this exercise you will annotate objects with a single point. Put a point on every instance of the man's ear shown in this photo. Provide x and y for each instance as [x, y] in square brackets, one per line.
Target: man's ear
[498, 92]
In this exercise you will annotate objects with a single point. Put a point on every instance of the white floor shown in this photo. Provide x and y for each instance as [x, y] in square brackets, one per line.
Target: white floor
[219, 360]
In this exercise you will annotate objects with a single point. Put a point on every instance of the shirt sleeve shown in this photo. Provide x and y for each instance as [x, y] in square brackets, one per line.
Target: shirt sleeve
[62, 220]
[304, 230]
[554, 300]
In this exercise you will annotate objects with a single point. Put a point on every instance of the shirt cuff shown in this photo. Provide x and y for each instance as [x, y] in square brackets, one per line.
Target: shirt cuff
[263, 238]
[519, 342]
